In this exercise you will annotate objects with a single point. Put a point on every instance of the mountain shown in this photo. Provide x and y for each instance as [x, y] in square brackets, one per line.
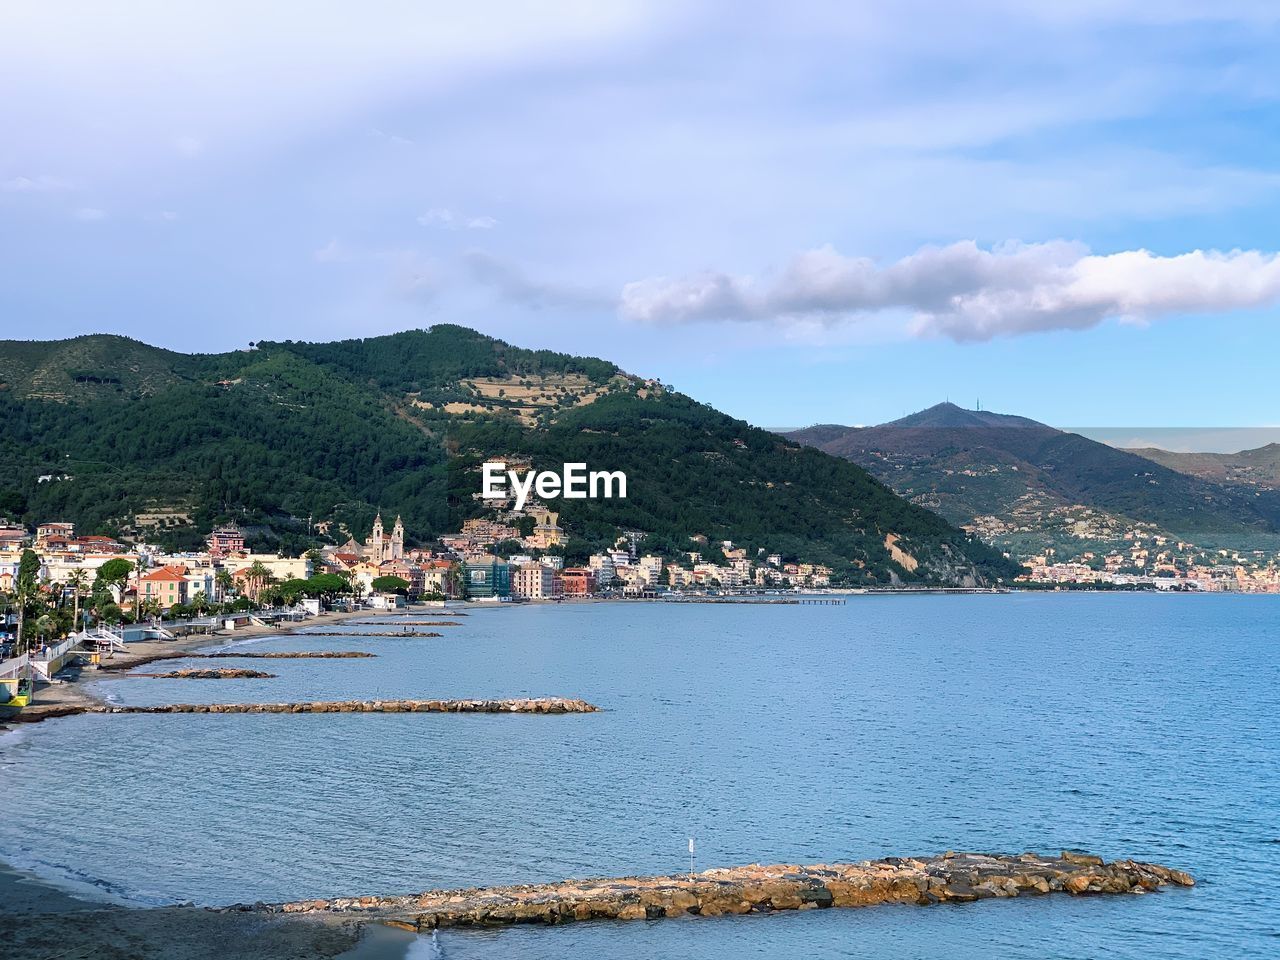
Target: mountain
[1255, 468]
[292, 440]
[1026, 485]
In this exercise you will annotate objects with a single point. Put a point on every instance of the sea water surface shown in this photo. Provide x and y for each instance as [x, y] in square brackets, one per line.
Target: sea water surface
[1128, 726]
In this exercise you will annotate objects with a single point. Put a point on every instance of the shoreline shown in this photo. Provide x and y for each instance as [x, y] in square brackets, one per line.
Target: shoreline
[383, 927]
[48, 921]
[74, 693]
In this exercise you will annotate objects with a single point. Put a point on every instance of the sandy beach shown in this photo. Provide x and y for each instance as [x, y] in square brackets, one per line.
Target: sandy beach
[41, 922]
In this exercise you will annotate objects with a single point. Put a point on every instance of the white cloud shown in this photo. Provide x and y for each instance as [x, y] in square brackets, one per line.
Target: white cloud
[40, 184]
[964, 292]
[89, 213]
[449, 220]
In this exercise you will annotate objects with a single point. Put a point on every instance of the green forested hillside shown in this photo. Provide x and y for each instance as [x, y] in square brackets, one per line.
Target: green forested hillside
[298, 437]
[976, 464]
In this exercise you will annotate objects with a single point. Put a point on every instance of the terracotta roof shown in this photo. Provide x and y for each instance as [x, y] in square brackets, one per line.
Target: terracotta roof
[166, 573]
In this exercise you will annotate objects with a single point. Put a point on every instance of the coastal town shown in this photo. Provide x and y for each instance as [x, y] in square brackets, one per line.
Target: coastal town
[56, 581]
[71, 580]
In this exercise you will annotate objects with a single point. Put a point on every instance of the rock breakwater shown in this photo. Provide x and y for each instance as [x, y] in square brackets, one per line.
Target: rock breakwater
[525, 705]
[376, 633]
[195, 674]
[949, 878]
[130, 663]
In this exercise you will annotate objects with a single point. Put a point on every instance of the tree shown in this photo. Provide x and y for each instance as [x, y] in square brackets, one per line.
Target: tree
[77, 583]
[44, 626]
[224, 582]
[257, 578]
[26, 588]
[293, 589]
[112, 578]
[327, 585]
[390, 584]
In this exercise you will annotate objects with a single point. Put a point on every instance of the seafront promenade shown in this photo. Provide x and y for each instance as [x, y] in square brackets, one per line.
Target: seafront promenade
[948, 878]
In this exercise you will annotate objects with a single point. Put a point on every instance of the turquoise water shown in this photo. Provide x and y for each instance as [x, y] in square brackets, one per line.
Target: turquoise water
[1140, 726]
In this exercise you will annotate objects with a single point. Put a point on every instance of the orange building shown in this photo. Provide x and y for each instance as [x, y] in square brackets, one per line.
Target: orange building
[578, 581]
[165, 585]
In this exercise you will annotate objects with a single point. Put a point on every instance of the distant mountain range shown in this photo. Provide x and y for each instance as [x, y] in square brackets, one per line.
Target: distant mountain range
[1255, 468]
[1025, 485]
[295, 440]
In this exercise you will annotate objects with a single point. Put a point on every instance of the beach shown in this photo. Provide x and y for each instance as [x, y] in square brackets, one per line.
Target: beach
[42, 922]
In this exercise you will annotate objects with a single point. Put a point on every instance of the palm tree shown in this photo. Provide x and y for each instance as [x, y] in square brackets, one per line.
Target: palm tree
[77, 582]
[224, 582]
[26, 588]
[256, 578]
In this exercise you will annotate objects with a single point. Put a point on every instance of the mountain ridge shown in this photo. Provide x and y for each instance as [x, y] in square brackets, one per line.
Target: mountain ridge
[1009, 473]
[298, 437]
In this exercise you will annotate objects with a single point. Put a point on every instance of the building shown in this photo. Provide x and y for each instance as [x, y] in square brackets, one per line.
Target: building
[578, 581]
[165, 585]
[546, 531]
[48, 534]
[487, 578]
[410, 573]
[438, 577]
[224, 540]
[650, 568]
[533, 581]
[481, 530]
[379, 549]
[602, 566]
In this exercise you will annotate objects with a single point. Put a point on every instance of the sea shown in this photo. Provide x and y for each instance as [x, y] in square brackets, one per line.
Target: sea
[1131, 726]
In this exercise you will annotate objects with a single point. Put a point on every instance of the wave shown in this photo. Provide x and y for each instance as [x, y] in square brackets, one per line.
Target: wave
[80, 883]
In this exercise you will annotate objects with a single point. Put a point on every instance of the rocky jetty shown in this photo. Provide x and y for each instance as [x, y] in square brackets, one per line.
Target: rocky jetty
[397, 622]
[379, 633]
[215, 674]
[525, 705]
[949, 878]
[291, 655]
[132, 662]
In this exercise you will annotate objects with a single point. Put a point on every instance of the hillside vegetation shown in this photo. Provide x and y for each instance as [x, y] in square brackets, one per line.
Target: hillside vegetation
[1025, 476]
[295, 439]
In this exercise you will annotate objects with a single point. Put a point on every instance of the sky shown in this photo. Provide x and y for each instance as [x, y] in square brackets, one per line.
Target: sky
[802, 213]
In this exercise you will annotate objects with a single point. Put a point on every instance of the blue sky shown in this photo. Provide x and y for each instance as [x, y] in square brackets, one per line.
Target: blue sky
[813, 213]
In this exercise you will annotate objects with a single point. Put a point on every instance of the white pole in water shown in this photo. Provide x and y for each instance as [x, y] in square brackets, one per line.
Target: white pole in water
[691, 858]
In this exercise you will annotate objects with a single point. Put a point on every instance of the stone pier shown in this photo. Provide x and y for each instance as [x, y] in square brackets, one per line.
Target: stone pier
[949, 878]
